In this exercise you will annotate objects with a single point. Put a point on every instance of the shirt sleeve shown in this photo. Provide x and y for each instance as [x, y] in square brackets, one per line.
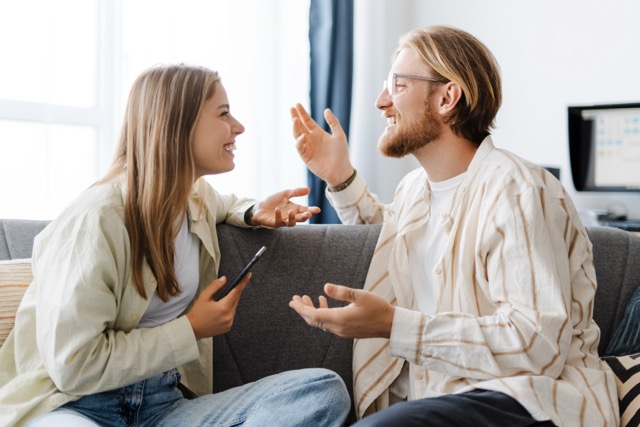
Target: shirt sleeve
[522, 293]
[356, 204]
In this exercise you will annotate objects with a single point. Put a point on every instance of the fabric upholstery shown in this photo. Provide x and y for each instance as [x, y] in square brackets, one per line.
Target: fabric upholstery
[16, 237]
[616, 256]
[267, 336]
[627, 371]
[15, 277]
[298, 261]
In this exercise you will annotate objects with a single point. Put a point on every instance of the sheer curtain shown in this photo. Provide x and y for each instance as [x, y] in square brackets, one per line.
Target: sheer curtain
[68, 66]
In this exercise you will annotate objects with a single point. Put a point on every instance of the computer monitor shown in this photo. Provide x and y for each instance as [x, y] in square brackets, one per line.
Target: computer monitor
[604, 147]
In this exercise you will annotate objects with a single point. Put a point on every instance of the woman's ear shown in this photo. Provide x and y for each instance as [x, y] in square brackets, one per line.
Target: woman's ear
[451, 92]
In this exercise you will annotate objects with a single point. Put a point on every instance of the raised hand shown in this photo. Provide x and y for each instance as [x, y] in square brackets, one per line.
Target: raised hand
[326, 155]
[278, 211]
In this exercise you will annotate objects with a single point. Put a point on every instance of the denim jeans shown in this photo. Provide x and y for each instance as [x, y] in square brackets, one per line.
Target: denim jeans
[307, 397]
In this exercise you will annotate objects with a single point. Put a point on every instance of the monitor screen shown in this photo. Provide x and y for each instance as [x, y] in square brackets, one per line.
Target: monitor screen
[604, 147]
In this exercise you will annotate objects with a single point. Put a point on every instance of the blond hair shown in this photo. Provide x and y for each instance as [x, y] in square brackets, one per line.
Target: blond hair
[457, 56]
[155, 154]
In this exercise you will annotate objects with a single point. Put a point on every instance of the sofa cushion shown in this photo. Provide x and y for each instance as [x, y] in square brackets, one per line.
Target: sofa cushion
[626, 338]
[627, 372]
[15, 277]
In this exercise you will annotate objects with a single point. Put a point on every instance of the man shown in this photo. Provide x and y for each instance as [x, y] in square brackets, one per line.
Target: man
[477, 308]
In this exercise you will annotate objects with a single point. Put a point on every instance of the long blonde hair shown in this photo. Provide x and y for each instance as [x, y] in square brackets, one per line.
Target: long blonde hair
[455, 55]
[155, 153]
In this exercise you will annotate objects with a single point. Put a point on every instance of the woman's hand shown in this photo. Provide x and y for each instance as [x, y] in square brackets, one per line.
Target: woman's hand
[326, 155]
[278, 211]
[208, 317]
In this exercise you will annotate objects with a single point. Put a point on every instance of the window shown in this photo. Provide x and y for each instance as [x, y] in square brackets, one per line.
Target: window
[70, 64]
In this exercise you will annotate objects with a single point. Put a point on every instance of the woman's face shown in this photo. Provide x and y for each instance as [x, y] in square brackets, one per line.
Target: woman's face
[215, 136]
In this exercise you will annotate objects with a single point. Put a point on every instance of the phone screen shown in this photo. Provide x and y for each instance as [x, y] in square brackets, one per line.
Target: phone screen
[230, 285]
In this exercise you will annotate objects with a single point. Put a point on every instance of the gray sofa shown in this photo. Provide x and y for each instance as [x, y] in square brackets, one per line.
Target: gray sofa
[268, 337]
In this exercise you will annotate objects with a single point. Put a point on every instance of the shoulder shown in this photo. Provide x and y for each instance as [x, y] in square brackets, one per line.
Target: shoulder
[514, 175]
[96, 212]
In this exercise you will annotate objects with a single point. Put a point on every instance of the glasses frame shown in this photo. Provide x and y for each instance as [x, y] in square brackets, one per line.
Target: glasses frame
[390, 83]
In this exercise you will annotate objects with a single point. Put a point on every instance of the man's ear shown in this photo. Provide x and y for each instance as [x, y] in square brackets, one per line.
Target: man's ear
[451, 92]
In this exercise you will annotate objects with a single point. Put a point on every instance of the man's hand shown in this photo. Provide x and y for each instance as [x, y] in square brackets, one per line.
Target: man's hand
[278, 211]
[326, 155]
[367, 316]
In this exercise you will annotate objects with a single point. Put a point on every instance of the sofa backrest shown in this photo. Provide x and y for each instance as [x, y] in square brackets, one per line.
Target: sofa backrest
[616, 257]
[303, 254]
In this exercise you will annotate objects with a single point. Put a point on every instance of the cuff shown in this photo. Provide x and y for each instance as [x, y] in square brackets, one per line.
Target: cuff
[406, 334]
[182, 341]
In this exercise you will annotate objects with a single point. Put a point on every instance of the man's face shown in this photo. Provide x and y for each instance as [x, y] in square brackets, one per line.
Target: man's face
[411, 121]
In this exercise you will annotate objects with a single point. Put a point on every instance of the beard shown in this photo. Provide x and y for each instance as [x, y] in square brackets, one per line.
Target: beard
[408, 138]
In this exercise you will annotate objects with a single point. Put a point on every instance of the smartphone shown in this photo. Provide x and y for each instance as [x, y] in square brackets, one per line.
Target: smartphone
[230, 285]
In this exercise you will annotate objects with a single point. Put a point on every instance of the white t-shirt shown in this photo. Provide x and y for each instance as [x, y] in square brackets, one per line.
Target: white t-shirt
[426, 244]
[187, 255]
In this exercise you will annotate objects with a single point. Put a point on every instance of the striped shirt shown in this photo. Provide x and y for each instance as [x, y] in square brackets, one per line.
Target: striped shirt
[513, 291]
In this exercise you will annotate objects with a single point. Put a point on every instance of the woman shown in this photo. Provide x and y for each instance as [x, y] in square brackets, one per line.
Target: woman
[102, 329]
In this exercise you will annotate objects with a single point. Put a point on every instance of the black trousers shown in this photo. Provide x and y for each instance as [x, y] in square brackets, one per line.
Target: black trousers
[473, 409]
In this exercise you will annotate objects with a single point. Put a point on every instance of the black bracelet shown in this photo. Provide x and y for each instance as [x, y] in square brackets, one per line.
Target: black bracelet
[344, 185]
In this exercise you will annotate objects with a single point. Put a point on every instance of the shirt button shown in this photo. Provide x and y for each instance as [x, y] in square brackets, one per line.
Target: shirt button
[134, 317]
[444, 217]
[152, 279]
[438, 270]
[419, 375]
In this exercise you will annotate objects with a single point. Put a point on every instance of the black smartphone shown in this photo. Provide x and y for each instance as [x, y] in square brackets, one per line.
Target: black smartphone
[230, 285]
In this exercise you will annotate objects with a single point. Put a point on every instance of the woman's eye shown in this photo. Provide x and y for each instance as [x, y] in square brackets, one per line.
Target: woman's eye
[224, 114]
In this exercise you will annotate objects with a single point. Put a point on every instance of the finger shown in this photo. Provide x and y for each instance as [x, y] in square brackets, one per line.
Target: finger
[341, 293]
[214, 287]
[239, 289]
[299, 130]
[297, 192]
[306, 300]
[291, 220]
[333, 122]
[322, 302]
[277, 218]
[306, 119]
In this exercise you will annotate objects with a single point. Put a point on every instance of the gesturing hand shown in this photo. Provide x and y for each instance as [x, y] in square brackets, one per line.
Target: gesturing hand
[278, 211]
[367, 316]
[326, 155]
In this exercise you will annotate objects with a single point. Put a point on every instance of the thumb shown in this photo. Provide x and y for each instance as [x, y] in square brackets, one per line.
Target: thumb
[333, 121]
[214, 287]
[339, 292]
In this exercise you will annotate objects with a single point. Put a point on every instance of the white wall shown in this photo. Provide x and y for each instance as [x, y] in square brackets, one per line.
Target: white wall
[552, 54]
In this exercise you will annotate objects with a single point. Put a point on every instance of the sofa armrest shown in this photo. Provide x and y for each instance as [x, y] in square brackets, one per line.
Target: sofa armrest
[267, 336]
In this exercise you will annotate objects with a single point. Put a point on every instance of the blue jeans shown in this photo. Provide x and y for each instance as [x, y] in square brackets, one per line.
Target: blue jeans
[308, 397]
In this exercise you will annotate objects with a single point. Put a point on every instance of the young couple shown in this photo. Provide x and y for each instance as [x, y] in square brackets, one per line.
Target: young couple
[477, 308]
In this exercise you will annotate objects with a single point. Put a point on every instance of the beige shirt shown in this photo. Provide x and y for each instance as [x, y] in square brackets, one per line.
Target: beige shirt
[514, 295]
[75, 331]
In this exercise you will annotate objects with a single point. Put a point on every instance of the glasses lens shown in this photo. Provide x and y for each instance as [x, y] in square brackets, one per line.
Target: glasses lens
[390, 84]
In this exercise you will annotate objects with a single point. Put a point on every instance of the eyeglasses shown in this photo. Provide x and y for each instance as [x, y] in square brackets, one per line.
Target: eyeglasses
[392, 86]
